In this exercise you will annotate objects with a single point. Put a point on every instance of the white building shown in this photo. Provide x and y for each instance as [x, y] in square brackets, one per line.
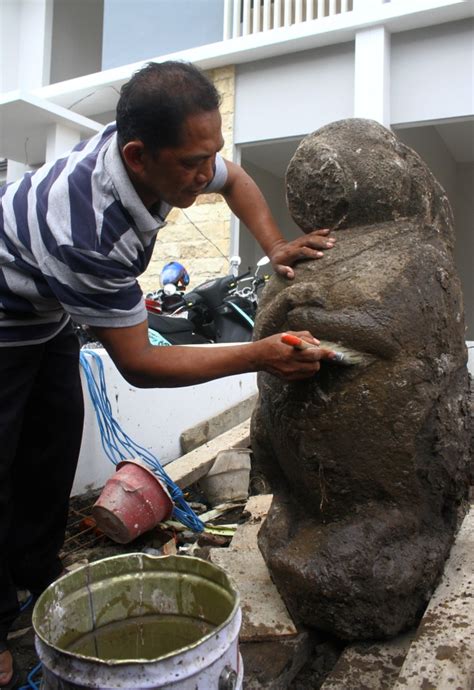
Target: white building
[299, 64]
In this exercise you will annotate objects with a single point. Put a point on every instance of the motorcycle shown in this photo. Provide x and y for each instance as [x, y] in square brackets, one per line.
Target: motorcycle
[221, 310]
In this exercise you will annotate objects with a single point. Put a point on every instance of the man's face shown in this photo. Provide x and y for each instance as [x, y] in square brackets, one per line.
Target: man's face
[178, 175]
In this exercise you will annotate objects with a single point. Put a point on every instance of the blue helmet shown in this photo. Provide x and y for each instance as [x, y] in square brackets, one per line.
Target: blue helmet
[174, 272]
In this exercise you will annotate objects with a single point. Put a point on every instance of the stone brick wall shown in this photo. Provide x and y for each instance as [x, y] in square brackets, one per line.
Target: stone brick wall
[199, 236]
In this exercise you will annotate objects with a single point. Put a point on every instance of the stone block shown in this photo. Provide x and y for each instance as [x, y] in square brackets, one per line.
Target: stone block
[442, 653]
[191, 467]
[272, 648]
[205, 431]
[372, 666]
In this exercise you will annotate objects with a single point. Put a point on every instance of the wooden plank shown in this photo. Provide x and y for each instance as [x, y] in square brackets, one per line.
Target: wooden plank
[190, 467]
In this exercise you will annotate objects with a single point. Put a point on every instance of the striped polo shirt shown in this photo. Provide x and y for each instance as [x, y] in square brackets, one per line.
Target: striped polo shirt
[74, 236]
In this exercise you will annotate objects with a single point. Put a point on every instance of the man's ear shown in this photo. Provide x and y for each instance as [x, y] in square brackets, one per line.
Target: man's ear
[133, 154]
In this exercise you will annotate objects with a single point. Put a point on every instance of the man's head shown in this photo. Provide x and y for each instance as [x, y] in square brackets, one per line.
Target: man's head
[169, 131]
[155, 103]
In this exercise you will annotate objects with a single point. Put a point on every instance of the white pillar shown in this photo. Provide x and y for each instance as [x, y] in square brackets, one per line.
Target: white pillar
[26, 28]
[267, 15]
[372, 75]
[227, 33]
[35, 43]
[234, 221]
[236, 19]
[60, 140]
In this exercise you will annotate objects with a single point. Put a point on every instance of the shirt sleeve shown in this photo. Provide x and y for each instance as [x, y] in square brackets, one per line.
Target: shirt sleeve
[220, 176]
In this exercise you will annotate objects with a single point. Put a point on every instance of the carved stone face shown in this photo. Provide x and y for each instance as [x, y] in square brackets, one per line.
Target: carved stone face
[368, 461]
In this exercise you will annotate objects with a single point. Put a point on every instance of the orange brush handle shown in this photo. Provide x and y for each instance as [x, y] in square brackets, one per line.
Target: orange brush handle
[294, 341]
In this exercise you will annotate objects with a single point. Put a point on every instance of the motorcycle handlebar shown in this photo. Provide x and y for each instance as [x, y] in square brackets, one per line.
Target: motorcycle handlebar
[243, 275]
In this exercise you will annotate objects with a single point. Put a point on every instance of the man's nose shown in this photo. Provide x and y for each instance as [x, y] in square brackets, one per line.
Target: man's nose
[205, 172]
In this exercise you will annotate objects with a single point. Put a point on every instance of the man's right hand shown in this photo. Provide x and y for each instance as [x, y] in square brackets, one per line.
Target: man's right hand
[288, 362]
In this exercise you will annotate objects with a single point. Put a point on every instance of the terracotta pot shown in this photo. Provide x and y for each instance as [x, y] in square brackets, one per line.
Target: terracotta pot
[132, 502]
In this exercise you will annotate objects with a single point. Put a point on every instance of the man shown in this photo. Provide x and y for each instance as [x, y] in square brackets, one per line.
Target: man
[74, 236]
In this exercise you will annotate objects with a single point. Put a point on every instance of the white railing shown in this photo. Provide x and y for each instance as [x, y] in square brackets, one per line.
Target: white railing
[247, 17]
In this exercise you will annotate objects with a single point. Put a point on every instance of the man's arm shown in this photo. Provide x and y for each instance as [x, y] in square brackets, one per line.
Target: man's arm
[247, 202]
[146, 366]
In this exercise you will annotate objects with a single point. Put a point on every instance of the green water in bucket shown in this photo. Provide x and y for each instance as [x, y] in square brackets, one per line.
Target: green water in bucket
[144, 637]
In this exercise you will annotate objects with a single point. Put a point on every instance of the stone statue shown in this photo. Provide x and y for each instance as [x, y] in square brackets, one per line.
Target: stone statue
[368, 463]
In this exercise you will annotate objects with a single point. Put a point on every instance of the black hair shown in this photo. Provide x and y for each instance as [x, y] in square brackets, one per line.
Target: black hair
[154, 104]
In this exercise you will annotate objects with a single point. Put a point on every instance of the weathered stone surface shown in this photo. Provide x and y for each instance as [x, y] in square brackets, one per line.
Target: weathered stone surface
[442, 653]
[368, 463]
[370, 665]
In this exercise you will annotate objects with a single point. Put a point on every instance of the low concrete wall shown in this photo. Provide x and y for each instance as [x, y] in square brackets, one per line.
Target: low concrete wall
[470, 350]
[153, 418]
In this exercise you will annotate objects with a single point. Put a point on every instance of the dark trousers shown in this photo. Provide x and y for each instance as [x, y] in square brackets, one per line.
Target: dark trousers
[41, 419]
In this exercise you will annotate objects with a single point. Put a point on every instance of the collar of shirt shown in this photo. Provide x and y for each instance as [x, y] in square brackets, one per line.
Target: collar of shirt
[145, 220]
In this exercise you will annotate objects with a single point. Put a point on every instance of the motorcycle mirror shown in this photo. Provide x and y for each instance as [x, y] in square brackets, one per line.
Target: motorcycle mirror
[263, 261]
[170, 289]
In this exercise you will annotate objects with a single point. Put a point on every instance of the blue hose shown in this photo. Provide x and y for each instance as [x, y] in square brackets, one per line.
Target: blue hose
[119, 446]
[32, 680]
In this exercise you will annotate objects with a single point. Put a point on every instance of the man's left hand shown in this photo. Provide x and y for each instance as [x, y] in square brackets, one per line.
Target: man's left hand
[285, 254]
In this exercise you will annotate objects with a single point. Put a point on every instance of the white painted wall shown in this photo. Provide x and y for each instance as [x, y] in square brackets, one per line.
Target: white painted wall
[153, 418]
[76, 39]
[294, 94]
[432, 73]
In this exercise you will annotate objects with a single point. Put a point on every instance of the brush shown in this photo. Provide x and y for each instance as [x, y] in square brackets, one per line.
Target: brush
[345, 356]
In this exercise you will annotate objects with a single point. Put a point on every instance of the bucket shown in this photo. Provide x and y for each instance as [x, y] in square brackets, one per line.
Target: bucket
[228, 478]
[140, 621]
[132, 502]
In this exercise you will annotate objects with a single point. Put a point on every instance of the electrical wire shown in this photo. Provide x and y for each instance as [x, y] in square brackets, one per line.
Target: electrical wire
[208, 239]
[240, 311]
[118, 446]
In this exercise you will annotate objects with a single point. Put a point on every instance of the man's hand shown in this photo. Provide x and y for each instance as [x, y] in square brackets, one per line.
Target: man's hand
[285, 254]
[288, 362]
[247, 202]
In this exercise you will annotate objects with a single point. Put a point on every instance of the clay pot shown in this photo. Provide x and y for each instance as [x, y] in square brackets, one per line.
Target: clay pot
[132, 502]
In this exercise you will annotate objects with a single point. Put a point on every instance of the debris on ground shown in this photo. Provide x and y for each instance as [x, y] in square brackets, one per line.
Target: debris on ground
[85, 543]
